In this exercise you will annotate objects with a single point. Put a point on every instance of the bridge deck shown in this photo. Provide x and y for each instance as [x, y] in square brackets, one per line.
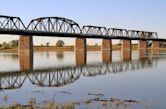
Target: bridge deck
[72, 35]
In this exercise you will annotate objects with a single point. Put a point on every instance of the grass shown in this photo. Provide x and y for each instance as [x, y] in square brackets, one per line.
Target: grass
[51, 104]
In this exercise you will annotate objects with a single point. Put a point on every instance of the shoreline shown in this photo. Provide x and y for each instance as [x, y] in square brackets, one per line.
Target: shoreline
[70, 48]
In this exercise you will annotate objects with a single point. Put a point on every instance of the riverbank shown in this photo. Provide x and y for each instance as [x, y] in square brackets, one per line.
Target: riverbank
[71, 48]
[52, 48]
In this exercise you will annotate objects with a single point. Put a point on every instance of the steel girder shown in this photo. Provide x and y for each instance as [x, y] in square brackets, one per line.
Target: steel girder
[65, 26]
[13, 23]
[54, 24]
[94, 30]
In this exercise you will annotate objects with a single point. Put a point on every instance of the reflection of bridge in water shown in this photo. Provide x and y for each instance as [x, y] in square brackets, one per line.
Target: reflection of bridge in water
[58, 77]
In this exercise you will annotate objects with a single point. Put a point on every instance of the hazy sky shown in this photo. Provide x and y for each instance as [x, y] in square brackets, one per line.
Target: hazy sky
[149, 15]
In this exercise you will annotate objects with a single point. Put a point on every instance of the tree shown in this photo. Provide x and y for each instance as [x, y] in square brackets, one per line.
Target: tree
[47, 44]
[5, 45]
[96, 44]
[60, 43]
[13, 43]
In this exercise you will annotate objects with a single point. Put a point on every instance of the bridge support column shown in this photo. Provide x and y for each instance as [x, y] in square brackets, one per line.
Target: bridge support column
[106, 50]
[80, 44]
[155, 45]
[80, 51]
[142, 49]
[126, 50]
[155, 48]
[25, 51]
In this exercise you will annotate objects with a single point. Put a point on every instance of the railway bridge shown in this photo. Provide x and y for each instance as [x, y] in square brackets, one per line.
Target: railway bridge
[63, 27]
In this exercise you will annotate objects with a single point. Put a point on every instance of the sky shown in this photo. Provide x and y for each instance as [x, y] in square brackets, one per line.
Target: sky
[148, 15]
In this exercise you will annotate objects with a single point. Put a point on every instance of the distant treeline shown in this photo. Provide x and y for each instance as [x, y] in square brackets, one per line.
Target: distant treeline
[60, 44]
[11, 44]
[14, 44]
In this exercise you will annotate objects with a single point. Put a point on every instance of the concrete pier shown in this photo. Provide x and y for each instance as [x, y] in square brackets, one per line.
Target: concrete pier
[80, 51]
[106, 50]
[155, 45]
[142, 48]
[80, 58]
[25, 51]
[80, 44]
[155, 48]
[25, 44]
[106, 44]
[25, 61]
[126, 50]
[106, 56]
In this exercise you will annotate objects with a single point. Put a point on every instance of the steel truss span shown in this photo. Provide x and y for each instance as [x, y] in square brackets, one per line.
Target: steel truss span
[55, 78]
[95, 30]
[12, 23]
[54, 24]
[12, 82]
[117, 32]
[142, 34]
[64, 27]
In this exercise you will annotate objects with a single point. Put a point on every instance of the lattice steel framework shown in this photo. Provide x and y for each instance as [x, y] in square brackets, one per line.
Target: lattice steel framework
[142, 34]
[55, 78]
[12, 23]
[94, 30]
[54, 24]
[117, 67]
[95, 70]
[63, 26]
[117, 32]
[11, 82]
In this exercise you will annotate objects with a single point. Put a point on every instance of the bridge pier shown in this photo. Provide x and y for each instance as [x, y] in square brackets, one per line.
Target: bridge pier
[155, 48]
[106, 50]
[106, 44]
[80, 57]
[80, 51]
[142, 48]
[155, 45]
[80, 44]
[26, 62]
[126, 50]
[25, 52]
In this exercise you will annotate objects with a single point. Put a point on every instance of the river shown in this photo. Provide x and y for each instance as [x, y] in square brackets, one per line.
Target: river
[56, 76]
